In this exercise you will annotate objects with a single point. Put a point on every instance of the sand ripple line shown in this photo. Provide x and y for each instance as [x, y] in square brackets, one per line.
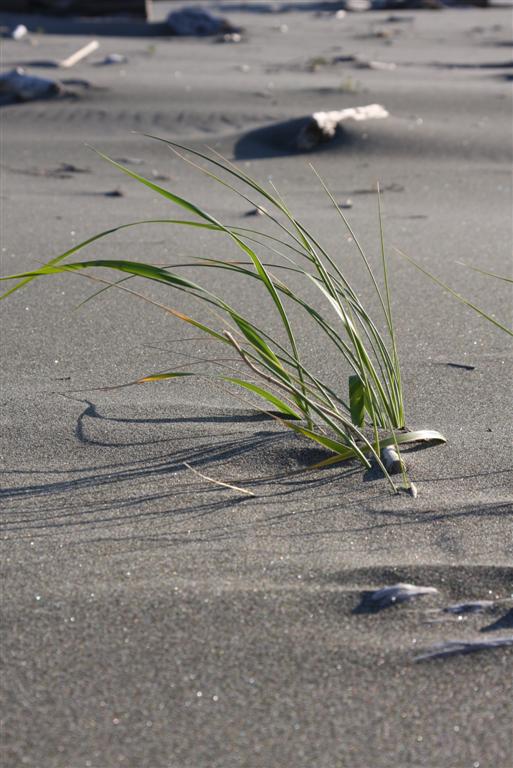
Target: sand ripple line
[387, 596]
[459, 647]
[477, 606]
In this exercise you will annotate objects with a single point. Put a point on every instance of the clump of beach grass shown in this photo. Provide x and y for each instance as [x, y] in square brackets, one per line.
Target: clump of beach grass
[358, 423]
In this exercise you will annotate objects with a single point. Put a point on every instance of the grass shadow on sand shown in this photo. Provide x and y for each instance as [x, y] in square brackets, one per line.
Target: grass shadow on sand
[136, 473]
[152, 486]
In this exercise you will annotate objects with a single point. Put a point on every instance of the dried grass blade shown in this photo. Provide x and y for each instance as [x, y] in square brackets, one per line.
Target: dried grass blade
[218, 482]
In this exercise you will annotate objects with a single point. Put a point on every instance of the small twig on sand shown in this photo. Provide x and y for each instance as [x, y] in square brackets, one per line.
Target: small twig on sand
[218, 482]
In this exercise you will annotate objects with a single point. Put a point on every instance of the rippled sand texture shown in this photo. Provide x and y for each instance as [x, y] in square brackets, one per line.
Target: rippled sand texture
[153, 619]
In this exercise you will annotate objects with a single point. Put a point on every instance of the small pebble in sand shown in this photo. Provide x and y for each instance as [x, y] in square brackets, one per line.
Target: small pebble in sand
[159, 176]
[114, 58]
[129, 160]
[230, 37]
[19, 32]
[258, 211]
[384, 66]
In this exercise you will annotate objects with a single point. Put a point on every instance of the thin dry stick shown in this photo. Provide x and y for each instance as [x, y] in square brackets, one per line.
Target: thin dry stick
[218, 482]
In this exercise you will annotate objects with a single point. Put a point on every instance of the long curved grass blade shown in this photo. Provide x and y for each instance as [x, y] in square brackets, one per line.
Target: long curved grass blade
[181, 201]
[327, 442]
[356, 241]
[265, 394]
[99, 236]
[163, 376]
[225, 165]
[283, 408]
[454, 293]
[505, 278]
[197, 324]
[132, 267]
[391, 329]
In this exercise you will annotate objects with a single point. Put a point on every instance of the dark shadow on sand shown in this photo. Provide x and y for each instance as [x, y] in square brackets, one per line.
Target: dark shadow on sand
[369, 139]
[54, 25]
[280, 140]
[505, 622]
[118, 493]
[285, 7]
[368, 605]
[53, 504]
[478, 65]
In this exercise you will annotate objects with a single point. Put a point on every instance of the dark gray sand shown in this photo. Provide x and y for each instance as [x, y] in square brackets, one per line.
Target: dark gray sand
[155, 620]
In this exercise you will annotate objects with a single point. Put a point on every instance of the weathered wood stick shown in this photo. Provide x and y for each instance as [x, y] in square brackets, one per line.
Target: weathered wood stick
[86, 50]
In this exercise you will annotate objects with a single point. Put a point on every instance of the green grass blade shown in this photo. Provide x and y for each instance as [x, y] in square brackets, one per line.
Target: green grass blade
[454, 293]
[99, 236]
[164, 376]
[431, 436]
[390, 322]
[505, 278]
[265, 394]
[357, 400]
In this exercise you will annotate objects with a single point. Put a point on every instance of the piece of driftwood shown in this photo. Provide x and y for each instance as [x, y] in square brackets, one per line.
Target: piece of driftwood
[138, 8]
[17, 85]
[198, 22]
[322, 126]
[394, 463]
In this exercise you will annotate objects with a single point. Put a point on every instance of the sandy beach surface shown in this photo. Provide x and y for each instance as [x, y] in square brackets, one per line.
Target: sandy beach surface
[153, 619]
